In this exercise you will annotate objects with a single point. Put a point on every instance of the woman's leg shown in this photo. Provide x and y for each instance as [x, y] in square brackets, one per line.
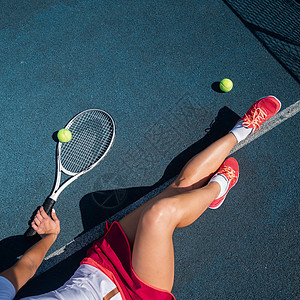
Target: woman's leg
[152, 255]
[150, 227]
[194, 175]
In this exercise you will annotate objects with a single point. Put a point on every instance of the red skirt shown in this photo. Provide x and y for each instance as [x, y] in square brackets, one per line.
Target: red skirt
[112, 255]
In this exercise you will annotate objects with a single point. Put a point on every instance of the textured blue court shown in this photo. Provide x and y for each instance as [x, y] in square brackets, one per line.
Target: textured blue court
[155, 67]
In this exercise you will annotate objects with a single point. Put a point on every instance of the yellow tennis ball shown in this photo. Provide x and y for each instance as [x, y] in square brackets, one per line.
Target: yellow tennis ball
[226, 85]
[64, 135]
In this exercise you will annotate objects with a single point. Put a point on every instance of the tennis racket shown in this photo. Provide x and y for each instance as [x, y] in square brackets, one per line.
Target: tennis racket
[93, 133]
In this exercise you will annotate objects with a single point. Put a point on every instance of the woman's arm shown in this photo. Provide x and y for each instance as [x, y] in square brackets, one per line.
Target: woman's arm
[28, 264]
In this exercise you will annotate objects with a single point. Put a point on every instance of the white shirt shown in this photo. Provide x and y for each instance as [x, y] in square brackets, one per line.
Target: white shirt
[7, 290]
[87, 283]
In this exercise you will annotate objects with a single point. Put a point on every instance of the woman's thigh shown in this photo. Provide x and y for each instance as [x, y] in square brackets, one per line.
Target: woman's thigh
[130, 222]
[153, 253]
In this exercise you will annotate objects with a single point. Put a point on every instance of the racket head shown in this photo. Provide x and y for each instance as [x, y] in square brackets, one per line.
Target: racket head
[93, 133]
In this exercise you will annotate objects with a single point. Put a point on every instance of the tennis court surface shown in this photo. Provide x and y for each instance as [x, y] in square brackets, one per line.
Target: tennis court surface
[154, 66]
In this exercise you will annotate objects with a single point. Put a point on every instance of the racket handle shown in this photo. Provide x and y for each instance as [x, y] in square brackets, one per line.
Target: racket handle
[48, 205]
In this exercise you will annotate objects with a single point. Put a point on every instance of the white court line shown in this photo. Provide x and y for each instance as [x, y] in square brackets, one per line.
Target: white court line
[90, 236]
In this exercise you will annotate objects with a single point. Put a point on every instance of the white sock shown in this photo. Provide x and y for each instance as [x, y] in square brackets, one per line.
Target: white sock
[222, 181]
[240, 132]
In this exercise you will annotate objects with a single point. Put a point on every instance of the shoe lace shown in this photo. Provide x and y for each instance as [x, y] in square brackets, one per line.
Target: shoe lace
[228, 172]
[255, 118]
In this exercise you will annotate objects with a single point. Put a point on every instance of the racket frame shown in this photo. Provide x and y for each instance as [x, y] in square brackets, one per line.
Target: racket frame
[58, 187]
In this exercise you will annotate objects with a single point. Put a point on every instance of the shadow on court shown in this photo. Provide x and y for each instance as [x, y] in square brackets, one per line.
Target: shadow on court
[98, 206]
[281, 39]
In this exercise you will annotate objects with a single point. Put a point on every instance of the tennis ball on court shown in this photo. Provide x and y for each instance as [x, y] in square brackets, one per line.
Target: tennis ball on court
[226, 85]
[64, 135]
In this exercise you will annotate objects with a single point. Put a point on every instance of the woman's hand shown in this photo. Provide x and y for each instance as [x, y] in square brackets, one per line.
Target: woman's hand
[44, 225]
[48, 228]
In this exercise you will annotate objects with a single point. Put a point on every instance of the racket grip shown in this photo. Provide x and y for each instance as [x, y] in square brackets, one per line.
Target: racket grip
[48, 205]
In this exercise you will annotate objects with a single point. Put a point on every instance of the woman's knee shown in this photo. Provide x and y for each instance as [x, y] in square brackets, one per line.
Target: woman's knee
[161, 214]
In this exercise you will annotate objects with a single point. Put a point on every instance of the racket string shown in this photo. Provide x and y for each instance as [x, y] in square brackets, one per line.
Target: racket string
[92, 133]
[86, 153]
[88, 147]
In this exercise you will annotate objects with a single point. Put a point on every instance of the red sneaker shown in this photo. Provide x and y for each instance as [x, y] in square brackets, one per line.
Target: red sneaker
[262, 110]
[230, 171]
